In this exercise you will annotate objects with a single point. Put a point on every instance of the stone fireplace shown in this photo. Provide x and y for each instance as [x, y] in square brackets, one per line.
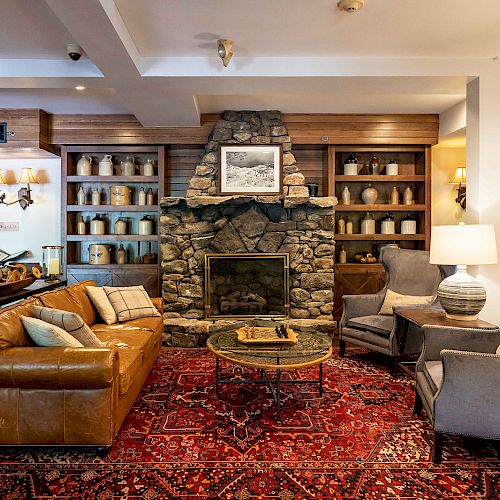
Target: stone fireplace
[204, 223]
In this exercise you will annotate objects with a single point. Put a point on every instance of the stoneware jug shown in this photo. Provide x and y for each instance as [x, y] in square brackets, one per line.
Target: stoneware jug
[128, 166]
[121, 226]
[99, 254]
[149, 168]
[106, 165]
[97, 225]
[369, 195]
[84, 166]
[145, 226]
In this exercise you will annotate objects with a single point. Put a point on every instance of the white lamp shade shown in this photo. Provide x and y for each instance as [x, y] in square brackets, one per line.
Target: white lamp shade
[460, 176]
[463, 244]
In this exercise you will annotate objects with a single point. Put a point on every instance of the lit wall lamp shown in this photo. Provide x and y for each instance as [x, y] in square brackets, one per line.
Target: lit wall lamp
[460, 178]
[24, 194]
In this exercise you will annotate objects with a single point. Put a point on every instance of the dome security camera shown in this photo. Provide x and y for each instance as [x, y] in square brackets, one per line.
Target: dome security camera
[350, 6]
[74, 51]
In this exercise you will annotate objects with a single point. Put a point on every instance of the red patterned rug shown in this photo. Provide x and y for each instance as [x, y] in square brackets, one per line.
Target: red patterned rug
[359, 441]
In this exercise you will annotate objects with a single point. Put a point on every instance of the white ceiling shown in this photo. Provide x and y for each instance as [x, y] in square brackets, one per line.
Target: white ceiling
[157, 58]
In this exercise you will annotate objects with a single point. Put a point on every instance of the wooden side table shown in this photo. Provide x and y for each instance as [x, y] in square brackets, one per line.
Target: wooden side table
[39, 286]
[428, 316]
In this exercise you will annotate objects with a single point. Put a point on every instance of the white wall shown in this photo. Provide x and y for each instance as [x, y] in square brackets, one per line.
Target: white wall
[40, 223]
[444, 209]
[483, 174]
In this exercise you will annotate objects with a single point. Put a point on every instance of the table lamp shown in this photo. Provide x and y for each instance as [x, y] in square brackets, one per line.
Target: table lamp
[460, 295]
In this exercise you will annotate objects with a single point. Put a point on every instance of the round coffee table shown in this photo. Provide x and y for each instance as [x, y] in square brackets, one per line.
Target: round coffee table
[310, 349]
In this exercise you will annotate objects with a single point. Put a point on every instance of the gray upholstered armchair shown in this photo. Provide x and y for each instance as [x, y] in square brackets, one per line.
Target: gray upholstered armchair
[457, 381]
[409, 273]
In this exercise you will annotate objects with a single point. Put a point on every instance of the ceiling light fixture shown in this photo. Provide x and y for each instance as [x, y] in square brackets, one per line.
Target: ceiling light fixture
[350, 6]
[225, 50]
[79, 87]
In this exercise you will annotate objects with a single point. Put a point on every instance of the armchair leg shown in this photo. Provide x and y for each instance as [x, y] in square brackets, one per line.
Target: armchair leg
[417, 407]
[437, 452]
[342, 348]
[395, 364]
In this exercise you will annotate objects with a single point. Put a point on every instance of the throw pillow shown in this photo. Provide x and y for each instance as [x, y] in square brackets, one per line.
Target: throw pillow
[69, 322]
[131, 302]
[46, 335]
[396, 299]
[101, 302]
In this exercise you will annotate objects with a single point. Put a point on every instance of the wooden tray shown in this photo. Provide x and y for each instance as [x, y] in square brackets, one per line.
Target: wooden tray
[6, 288]
[264, 335]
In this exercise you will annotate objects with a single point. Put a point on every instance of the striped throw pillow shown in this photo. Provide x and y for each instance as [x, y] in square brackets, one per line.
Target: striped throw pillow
[130, 302]
[44, 334]
[69, 322]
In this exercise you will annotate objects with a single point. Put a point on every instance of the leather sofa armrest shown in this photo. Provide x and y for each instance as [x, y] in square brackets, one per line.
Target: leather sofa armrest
[158, 303]
[58, 368]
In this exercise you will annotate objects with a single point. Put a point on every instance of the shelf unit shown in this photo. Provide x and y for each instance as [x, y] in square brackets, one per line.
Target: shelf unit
[77, 267]
[414, 171]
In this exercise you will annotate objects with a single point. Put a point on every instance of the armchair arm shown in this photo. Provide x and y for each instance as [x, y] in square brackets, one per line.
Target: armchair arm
[361, 305]
[468, 402]
[437, 338]
[58, 367]
[158, 303]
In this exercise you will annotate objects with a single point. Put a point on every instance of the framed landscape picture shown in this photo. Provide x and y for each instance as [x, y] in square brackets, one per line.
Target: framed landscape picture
[254, 169]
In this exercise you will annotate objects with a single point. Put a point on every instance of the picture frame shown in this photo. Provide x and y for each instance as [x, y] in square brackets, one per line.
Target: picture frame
[251, 169]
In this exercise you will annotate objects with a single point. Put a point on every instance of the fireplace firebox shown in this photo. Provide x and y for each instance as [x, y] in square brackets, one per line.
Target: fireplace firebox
[247, 285]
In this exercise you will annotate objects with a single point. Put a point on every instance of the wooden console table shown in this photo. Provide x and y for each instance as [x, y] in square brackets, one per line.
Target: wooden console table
[428, 316]
[39, 286]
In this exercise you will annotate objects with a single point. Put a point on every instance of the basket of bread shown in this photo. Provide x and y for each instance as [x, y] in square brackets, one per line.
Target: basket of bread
[14, 277]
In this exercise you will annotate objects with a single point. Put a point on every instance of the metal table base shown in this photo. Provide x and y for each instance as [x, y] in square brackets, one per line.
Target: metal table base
[273, 383]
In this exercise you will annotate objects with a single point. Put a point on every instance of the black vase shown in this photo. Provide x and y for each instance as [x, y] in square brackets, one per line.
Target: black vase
[313, 188]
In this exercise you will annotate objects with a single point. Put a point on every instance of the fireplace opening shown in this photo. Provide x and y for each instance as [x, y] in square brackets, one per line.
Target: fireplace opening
[247, 285]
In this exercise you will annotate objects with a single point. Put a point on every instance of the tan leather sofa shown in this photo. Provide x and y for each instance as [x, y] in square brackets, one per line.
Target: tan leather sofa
[71, 396]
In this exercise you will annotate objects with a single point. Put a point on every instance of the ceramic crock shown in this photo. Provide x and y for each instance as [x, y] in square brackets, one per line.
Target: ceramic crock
[120, 195]
[84, 166]
[106, 165]
[99, 254]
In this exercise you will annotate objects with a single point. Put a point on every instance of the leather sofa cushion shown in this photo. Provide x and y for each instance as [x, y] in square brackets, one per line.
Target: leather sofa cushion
[143, 340]
[72, 298]
[433, 370]
[376, 324]
[129, 367]
[12, 332]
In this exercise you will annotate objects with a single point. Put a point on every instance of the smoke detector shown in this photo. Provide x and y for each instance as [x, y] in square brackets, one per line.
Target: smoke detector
[350, 6]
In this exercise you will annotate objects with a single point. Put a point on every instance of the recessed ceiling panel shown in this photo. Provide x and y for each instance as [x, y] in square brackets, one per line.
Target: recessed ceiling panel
[30, 30]
[260, 28]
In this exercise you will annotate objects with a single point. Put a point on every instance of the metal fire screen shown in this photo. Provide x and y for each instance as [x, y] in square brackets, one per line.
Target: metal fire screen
[246, 285]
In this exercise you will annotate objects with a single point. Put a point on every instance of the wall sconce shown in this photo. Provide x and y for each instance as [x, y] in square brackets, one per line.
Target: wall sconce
[460, 178]
[225, 50]
[24, 194]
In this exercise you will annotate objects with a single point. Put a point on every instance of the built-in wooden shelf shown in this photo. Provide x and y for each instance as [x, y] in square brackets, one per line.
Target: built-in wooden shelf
[111, 237]
[131, 267]
[381, 207]
[380, 237]
[137, 179]
[112, 208]
[380, 178]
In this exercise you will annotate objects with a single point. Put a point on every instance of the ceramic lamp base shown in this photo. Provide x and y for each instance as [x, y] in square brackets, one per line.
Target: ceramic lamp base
[461, 296]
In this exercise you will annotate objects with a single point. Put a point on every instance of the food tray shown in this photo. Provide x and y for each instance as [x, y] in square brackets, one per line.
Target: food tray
[264, 335]
[6, 288]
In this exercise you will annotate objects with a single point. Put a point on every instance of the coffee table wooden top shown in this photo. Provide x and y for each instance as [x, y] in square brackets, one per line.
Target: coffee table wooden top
[437, 317]
[310, 349]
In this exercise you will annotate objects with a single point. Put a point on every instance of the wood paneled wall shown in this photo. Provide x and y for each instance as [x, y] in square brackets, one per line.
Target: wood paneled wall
[32, 130]
[303, 129]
